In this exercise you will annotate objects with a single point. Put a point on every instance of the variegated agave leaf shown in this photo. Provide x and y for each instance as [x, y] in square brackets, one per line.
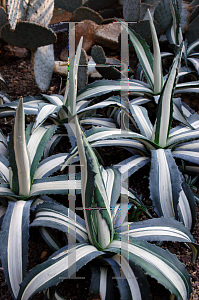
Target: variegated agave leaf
[96, 203]
[165, 105]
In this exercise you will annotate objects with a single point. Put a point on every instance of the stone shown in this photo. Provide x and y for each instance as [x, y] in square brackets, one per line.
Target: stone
[86, 29]
[12, 51]
[107, 35]
[64, 54]
[60, 15]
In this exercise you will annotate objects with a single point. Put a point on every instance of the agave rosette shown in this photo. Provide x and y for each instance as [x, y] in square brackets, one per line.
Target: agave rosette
[23, 179]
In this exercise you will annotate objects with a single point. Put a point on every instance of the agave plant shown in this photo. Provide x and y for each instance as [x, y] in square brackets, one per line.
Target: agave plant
[159, 145]
[105, 242]
[23, 178]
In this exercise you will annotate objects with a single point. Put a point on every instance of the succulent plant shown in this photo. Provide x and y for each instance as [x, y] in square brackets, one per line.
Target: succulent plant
[28, 35]
[108, 72]
[39, 12]
[82, 76]
[136, 11]
[43, 66]
[3, 16]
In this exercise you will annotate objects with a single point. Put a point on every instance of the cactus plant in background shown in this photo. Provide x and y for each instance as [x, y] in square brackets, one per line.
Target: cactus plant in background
[28, 35]
[109, 72]
[27, 28]
[23, 179]
[43, 66]
[35, 11]
[136, 11]
[3, 16]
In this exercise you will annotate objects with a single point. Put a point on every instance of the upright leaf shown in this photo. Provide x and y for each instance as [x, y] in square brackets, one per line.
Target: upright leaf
[20, 151]
[157, 63]
[165, 105]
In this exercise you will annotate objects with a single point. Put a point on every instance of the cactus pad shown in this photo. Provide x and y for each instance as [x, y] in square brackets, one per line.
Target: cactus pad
[68, 4]
[131, 10]
[163, 15]
[98, 55]
[3, 16]
[143, 29]
[43, 66]
[194, 13]
[16, 11]
[82, 76]
[192, 34]
[28, 35]
[85, 13]
[143, 11]
[108, 72]
[40, 12]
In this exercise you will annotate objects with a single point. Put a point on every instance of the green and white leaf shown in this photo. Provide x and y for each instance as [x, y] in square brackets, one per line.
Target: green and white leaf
[50, 165]
[156, 262]
[21, 151]
[143, 53]
[94, 194]
[37, 144]
[142, 120]
[158, 229]
[157, 63]
[14, 243]
[55, 185]
[102, 87]
[61, 218]
[165, 106]
[164, 183]
[57, 268]
[132, 164]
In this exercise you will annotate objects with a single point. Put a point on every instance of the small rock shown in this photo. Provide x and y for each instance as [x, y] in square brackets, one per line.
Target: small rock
[86, 29]
[60, 15]
[15, 51]
[107, 35]
[43, 255]
[64, 54]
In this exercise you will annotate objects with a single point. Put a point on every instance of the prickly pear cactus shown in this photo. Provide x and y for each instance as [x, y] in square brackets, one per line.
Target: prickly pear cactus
[16, 11]
[98, 55]
[3, 16]
[109, 72]
[143, 29]
[82, 75]
[28, 35]
[69, 5]
[43, 66]
[163, 15]
[85, 13]
[192, 34]
[40, 12]
[132, 10]
[37, 11]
